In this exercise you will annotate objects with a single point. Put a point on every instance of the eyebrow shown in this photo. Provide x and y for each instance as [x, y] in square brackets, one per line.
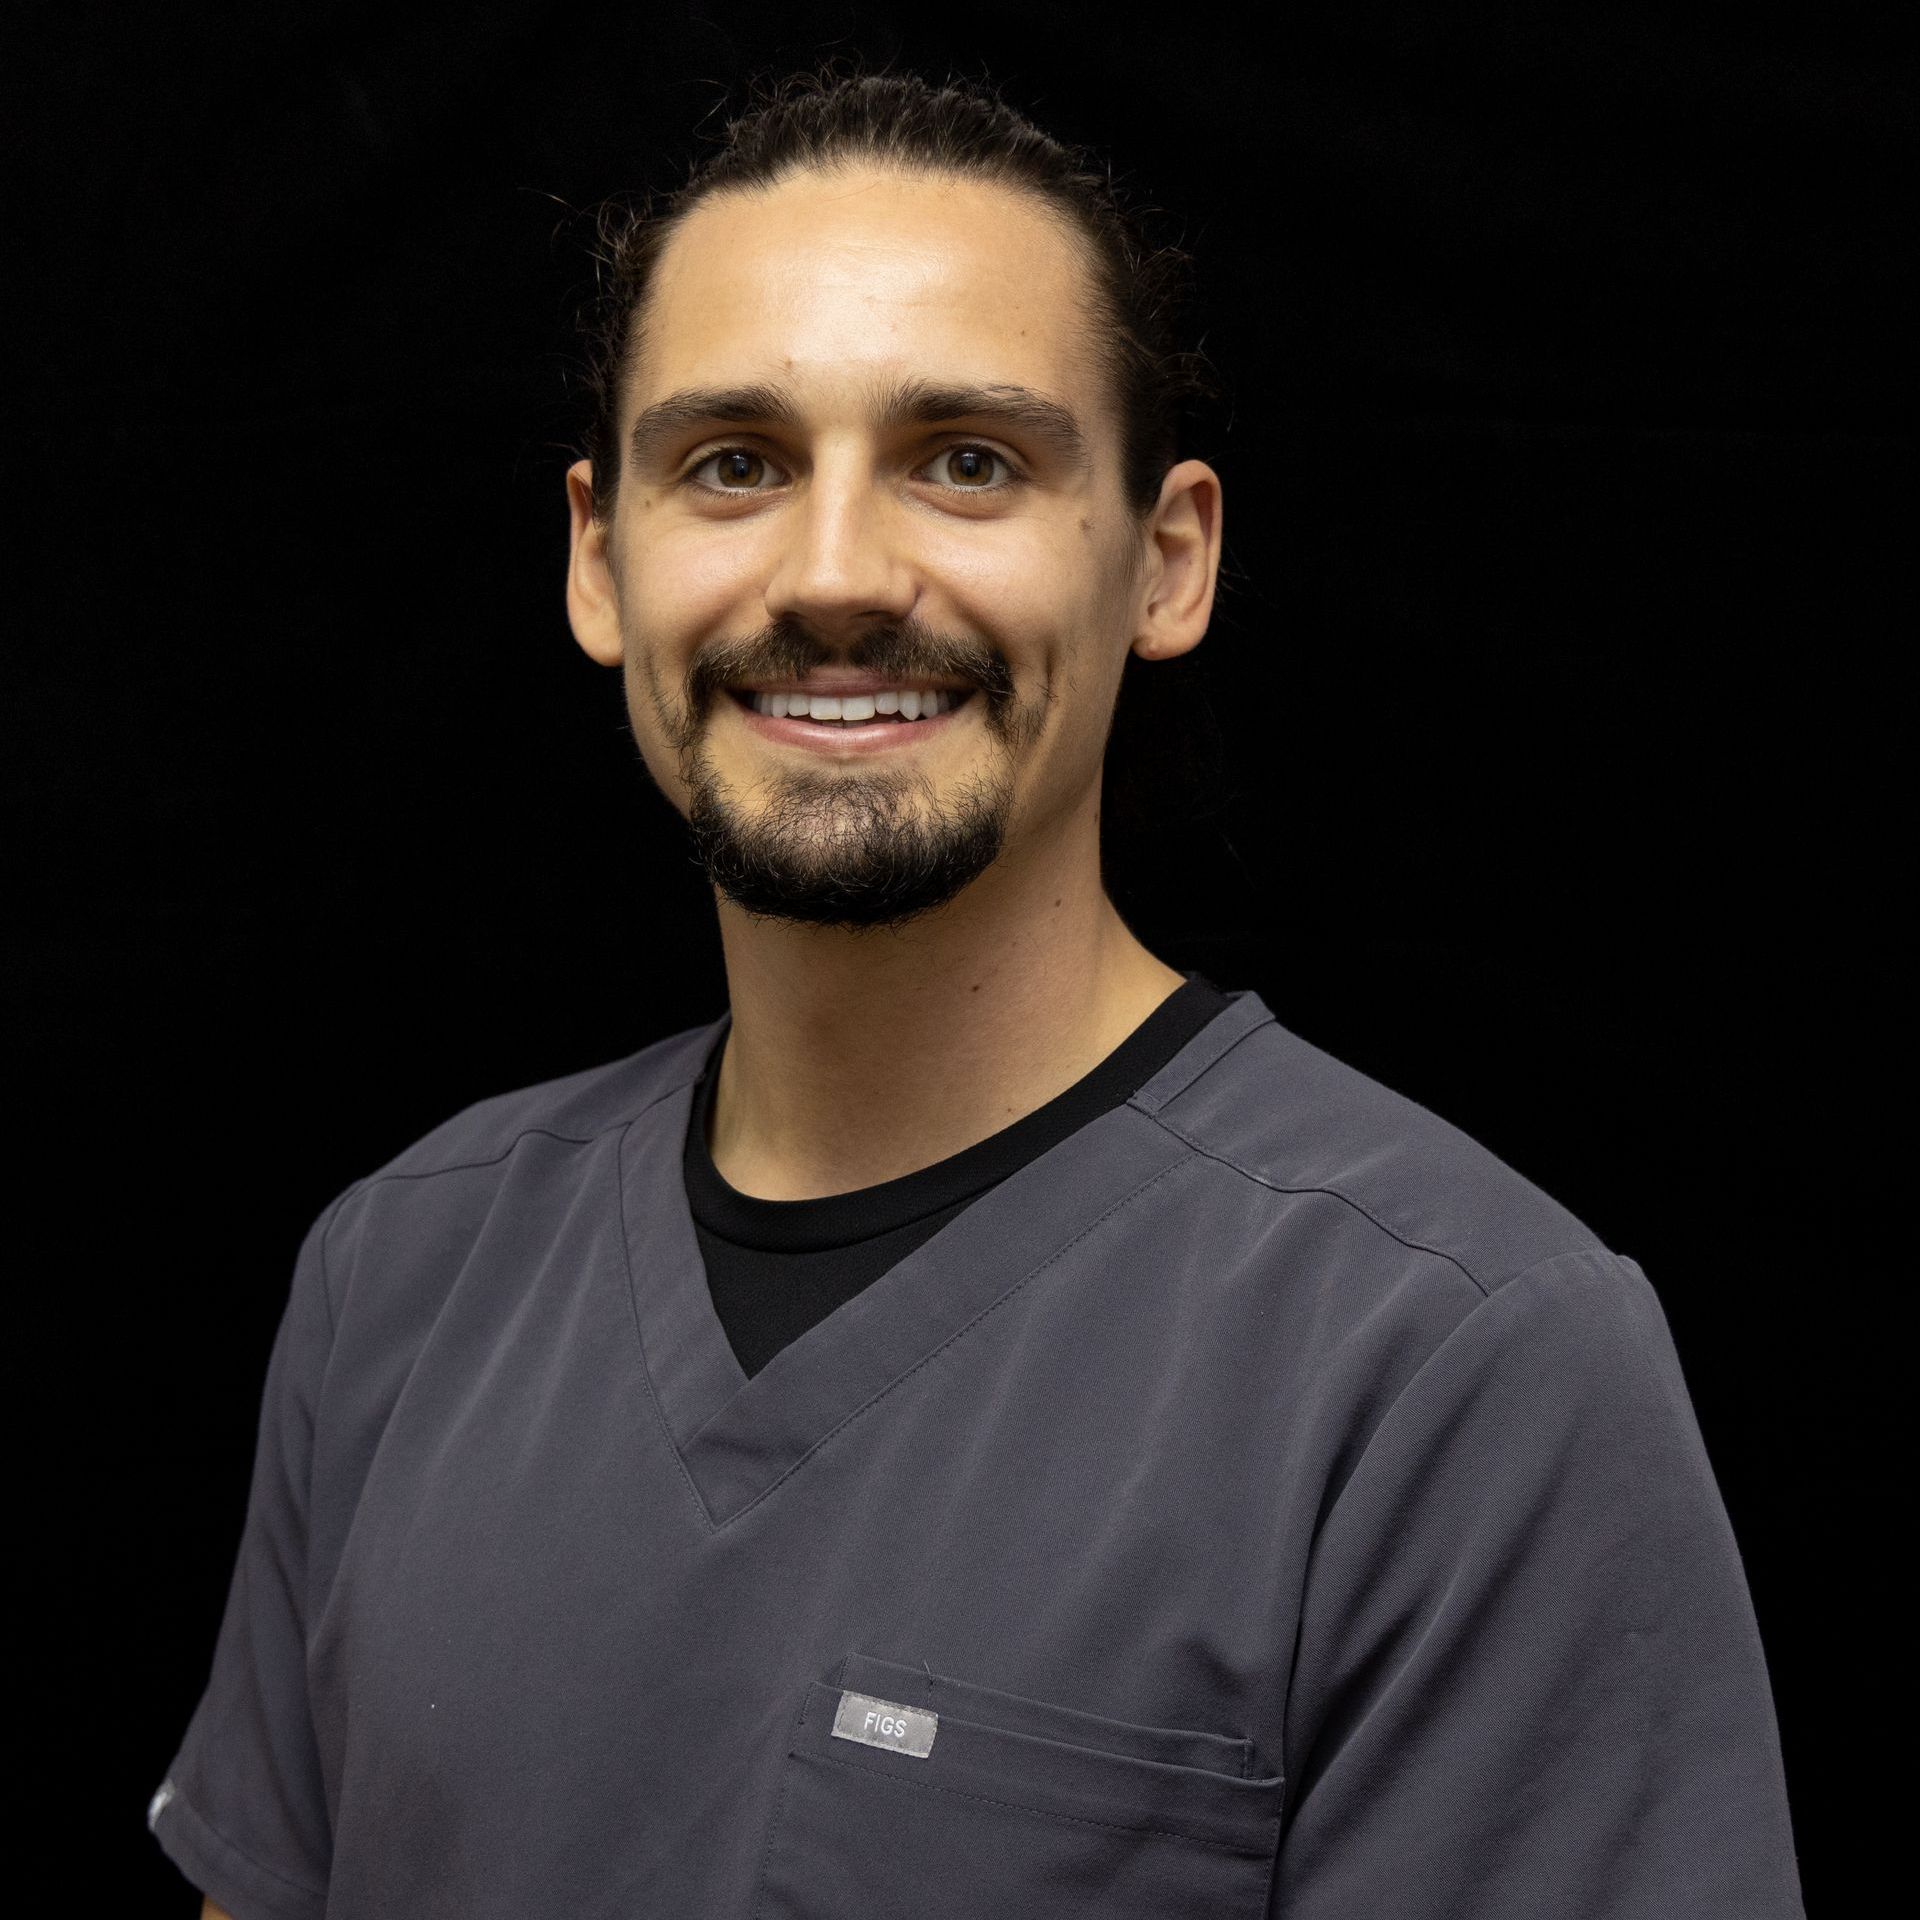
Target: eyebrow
[913, 402]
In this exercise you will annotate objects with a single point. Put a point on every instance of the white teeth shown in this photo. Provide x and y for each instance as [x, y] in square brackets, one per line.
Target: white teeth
[911, 703]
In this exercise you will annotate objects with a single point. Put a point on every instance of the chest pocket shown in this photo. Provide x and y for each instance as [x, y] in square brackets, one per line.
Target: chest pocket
[1015, 1806]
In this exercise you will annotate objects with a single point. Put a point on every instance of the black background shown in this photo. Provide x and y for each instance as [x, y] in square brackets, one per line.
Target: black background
[1550, 672]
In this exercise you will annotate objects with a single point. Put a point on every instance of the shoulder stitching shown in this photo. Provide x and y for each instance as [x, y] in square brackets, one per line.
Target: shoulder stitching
[1473, 1317]
[1333, 1193]
[372, 1180]
[1200, 1073]
[326, 1275]
[494, 1159]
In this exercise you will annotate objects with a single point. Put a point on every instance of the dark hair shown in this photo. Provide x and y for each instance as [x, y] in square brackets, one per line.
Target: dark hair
[827, 118]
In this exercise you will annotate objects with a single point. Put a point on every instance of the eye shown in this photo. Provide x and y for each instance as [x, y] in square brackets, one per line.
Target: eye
[736, 470]
[969, 469]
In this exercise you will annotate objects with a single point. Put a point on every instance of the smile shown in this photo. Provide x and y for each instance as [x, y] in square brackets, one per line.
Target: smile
[889, 719]
[903, 703]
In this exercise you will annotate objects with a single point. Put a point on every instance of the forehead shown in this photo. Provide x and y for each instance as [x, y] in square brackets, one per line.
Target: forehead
[835, 283]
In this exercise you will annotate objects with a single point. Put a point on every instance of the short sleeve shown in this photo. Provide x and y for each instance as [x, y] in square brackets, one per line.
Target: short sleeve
[242, 1811]
[1529, 1680]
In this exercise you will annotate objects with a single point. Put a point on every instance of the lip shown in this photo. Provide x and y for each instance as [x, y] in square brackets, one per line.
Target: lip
[840, 741]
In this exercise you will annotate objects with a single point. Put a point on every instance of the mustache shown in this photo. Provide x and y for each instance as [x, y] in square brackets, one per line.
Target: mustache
[901, 650]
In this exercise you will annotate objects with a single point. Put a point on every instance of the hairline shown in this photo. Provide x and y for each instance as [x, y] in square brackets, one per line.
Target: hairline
[1104, 364]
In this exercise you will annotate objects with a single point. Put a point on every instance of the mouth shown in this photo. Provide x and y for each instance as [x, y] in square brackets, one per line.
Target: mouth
[887, 720]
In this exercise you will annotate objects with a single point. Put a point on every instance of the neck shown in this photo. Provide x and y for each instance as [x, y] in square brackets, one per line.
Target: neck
[860, 1056]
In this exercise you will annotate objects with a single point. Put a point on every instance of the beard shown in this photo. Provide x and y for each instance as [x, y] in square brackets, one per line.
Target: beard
[846, 849]
[850, 846]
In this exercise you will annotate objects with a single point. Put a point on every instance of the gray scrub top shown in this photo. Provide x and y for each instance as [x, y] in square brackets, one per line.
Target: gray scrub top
[1265, 1502]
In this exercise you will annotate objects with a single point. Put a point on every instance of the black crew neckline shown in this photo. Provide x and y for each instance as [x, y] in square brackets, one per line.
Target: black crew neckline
[841, 1219]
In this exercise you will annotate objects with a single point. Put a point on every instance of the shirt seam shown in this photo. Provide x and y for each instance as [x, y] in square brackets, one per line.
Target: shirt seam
[494, 1159]
[1346, 1199]
[1240, 1849]
[326, 1273]
[1406, 1387]
[233, 1846]
[1453, 1333]
[958, 1334]
[1199, 1072]
[640, 1336]
[368, 1182]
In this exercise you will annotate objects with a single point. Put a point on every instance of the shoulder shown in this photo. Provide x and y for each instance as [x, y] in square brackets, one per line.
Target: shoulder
[1312, 1132]
[529, 1135]
[577, 1107]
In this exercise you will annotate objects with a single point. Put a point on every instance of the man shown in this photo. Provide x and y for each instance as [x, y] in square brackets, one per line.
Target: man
[990, 1425]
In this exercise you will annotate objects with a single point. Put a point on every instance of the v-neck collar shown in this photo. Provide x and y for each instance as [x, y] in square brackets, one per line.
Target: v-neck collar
[838, 1221]
[738, 1438]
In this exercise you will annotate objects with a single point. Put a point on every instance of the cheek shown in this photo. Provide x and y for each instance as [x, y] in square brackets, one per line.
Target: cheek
[1054, 574]
[689, 577]
[1052, 598]
[681, 586]
[1014, 566]
[652, 714]
[1032, 588]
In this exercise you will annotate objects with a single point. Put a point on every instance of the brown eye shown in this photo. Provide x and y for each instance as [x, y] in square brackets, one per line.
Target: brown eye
[739, 467]
[972, 467]
[733, 470]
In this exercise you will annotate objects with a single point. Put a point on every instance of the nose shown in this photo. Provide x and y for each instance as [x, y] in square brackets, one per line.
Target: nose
[842, 560]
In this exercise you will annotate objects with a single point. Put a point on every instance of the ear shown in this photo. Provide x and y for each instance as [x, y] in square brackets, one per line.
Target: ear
[1183, 562]
[593, 603]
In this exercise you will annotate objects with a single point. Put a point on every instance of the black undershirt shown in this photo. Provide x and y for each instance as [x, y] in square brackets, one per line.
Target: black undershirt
[775, 1267]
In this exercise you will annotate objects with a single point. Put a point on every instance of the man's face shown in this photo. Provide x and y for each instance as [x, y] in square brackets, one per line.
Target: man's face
[872, 454]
